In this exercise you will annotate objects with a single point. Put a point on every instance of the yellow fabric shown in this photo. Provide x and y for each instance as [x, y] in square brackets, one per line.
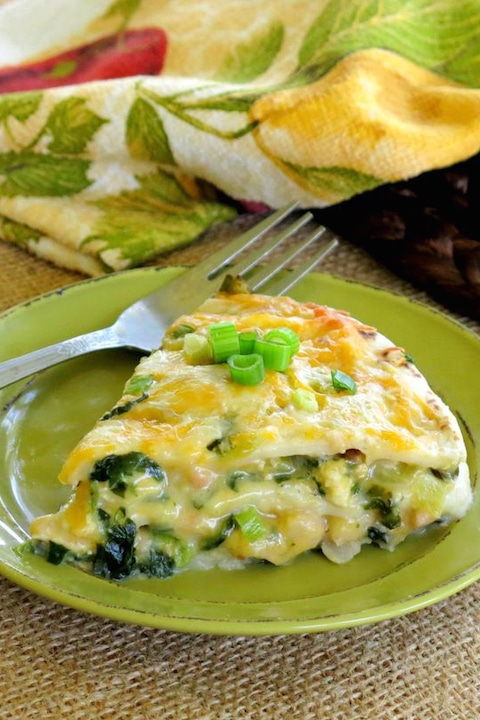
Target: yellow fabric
[374, 113]
[250, 101]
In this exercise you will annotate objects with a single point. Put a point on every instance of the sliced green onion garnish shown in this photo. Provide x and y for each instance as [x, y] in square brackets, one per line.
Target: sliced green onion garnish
[196, 349]
[224, 341]
[246, 369]
[342, 381]
[251, 524]
[276, 355]
[305, 400]
[284, 334]
[247, 341]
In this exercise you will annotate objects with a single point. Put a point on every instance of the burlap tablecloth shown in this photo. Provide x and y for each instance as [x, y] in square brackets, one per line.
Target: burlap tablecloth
[56, 662]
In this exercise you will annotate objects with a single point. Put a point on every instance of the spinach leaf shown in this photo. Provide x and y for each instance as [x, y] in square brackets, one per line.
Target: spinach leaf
[121, 409]
[115, 469]
[51, 551]
[55, 553]
[225, 529]
[158, 564]
[115, 559]
[386, 505]
[377, 536]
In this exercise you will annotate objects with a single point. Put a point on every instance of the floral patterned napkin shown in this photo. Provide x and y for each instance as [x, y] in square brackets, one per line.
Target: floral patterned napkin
[129, 127]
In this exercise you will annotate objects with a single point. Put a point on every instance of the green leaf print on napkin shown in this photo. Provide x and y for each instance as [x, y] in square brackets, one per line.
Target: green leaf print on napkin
[334, 181]
[18, 233]
[185, 108]
[33, 175]
[228, 102]
[165, 212]
[249, 60]
[430, 33]
[465, 66]
[146, 137]
[71, 126]
[125, 8]
[20, 106]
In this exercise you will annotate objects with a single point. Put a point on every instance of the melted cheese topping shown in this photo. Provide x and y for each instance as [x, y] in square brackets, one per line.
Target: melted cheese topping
[357, 466]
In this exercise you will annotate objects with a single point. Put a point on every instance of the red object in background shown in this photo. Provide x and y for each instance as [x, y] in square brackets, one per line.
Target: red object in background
[134, 52]
[254, 206]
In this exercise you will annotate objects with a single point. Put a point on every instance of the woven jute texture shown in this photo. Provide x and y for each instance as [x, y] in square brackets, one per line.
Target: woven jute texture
[58, 663]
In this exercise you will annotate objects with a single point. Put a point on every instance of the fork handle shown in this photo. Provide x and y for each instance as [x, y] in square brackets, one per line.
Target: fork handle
[24, 365]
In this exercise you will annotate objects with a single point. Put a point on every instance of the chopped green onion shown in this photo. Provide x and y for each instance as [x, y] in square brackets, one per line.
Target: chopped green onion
[276, 355]
[251, 524]
[182, 330]
[247, 341]
[224, 341]
[138, 384]
[284, 334]
[342, 381]
[196, 349]
[305, 400]
[246, 369]
[180, 551]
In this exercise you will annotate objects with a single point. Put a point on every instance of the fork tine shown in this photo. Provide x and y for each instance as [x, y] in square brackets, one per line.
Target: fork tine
[256, 256]
[282, 284]
[213, 264]
[188, 290]
[270, 270]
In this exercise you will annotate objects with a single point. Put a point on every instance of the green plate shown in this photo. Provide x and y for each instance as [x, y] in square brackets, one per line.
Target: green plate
[41, 420]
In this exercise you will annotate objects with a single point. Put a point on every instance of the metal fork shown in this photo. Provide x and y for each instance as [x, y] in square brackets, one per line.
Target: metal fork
[142, 325]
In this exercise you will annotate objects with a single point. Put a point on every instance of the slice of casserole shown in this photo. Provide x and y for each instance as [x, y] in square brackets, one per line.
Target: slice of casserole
[205, 462]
